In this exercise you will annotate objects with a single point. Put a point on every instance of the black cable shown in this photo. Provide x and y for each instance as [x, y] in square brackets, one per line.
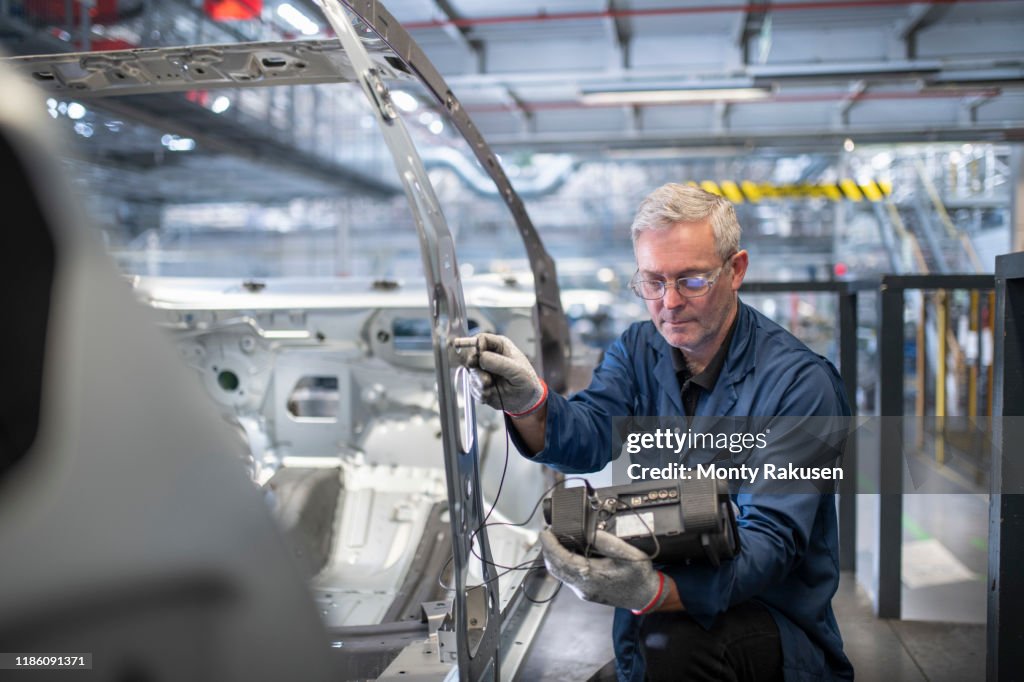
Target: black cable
[531, 565]
[528, 518]
[507, 569]
[483, 523]
[554, 594]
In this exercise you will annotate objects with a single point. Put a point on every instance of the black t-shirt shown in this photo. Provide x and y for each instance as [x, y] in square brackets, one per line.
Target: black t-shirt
[691, 386]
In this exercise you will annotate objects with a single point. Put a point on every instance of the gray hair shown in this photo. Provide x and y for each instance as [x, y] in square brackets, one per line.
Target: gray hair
[674, 203]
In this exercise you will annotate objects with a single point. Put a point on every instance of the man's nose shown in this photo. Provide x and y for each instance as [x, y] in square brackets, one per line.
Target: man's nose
[672, 298]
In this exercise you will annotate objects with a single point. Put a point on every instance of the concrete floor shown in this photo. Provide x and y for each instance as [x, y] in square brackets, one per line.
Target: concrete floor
[575, 641]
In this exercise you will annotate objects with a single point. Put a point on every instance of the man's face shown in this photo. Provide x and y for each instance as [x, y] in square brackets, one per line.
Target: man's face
[691, 324]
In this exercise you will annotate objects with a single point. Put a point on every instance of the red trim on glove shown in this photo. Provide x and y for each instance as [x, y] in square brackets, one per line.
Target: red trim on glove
[656, 601]
[531, 410]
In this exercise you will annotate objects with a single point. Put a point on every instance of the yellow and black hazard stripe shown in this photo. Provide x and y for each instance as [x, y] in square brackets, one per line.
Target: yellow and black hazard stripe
[756, 192]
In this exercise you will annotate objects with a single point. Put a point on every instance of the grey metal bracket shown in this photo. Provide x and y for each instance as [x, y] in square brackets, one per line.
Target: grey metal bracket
[177, 69]
[433, 613]
[380, 95]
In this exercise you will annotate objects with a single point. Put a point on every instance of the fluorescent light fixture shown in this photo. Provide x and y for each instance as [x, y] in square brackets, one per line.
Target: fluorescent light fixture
[913, 68]
[404, 101]
[297, 19]
[673, 96]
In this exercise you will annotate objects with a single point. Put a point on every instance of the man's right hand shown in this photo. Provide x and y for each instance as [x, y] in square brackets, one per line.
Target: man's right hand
[502, 377]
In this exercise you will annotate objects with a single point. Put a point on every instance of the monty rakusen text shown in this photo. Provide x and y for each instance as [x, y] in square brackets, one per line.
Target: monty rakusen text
[676, 440]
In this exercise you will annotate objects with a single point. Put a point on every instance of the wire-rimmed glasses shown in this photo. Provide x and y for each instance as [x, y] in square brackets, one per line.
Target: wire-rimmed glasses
[691, 286]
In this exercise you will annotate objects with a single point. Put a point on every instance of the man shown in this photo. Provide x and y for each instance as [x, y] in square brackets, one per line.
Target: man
[765, 614]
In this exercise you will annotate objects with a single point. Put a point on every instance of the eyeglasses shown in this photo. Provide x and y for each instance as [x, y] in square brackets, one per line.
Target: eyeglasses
[693, 286]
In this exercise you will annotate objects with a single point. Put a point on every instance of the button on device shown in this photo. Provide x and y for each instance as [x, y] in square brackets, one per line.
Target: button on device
[673, 493]
[662, 494]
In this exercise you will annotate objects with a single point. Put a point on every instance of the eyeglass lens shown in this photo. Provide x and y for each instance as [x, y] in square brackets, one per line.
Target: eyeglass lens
[684, 285]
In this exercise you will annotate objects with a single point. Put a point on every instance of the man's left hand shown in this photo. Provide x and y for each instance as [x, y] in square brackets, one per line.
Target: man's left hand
[622, 577]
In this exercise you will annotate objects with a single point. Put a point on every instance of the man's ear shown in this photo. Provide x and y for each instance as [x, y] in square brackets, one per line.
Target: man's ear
[739, 268]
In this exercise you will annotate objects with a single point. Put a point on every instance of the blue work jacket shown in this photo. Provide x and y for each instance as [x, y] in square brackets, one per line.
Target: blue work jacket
[789, 543]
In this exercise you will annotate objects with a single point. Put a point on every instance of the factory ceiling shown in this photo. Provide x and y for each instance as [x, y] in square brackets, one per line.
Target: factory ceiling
[650, 72]
[635, 73]
[594, 77]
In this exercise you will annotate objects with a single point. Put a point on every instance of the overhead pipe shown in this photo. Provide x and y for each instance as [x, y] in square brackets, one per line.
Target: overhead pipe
[541, 17]
[771, 99]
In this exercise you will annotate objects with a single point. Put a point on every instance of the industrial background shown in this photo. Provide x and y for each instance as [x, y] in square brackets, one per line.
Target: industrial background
[873, 150]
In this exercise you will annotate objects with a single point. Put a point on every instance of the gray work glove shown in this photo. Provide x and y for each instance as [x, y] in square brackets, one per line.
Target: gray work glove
[623, 577]
[501, 376]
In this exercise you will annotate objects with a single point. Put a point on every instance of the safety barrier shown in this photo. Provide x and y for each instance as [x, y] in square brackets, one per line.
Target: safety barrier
[1005, 656]
[892, 356]
[846, 189]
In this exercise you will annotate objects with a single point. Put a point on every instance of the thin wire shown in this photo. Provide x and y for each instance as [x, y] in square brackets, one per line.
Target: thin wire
[526, 565]
[554, 594]
[536, 506]
[530, 565]
[483, 523]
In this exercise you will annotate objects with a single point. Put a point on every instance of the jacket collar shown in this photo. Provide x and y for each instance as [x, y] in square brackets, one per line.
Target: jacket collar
[740, 360]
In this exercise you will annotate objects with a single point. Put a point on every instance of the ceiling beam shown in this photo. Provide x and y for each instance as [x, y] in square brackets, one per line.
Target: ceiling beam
[809, 138]
[968, 113]
[919, 15]
[749, 24]
[799, 6]
[634, 121]
[621, 33]
[876, 70]
[847, 103]
[456, 29]
[720, 118]
[526, 116]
